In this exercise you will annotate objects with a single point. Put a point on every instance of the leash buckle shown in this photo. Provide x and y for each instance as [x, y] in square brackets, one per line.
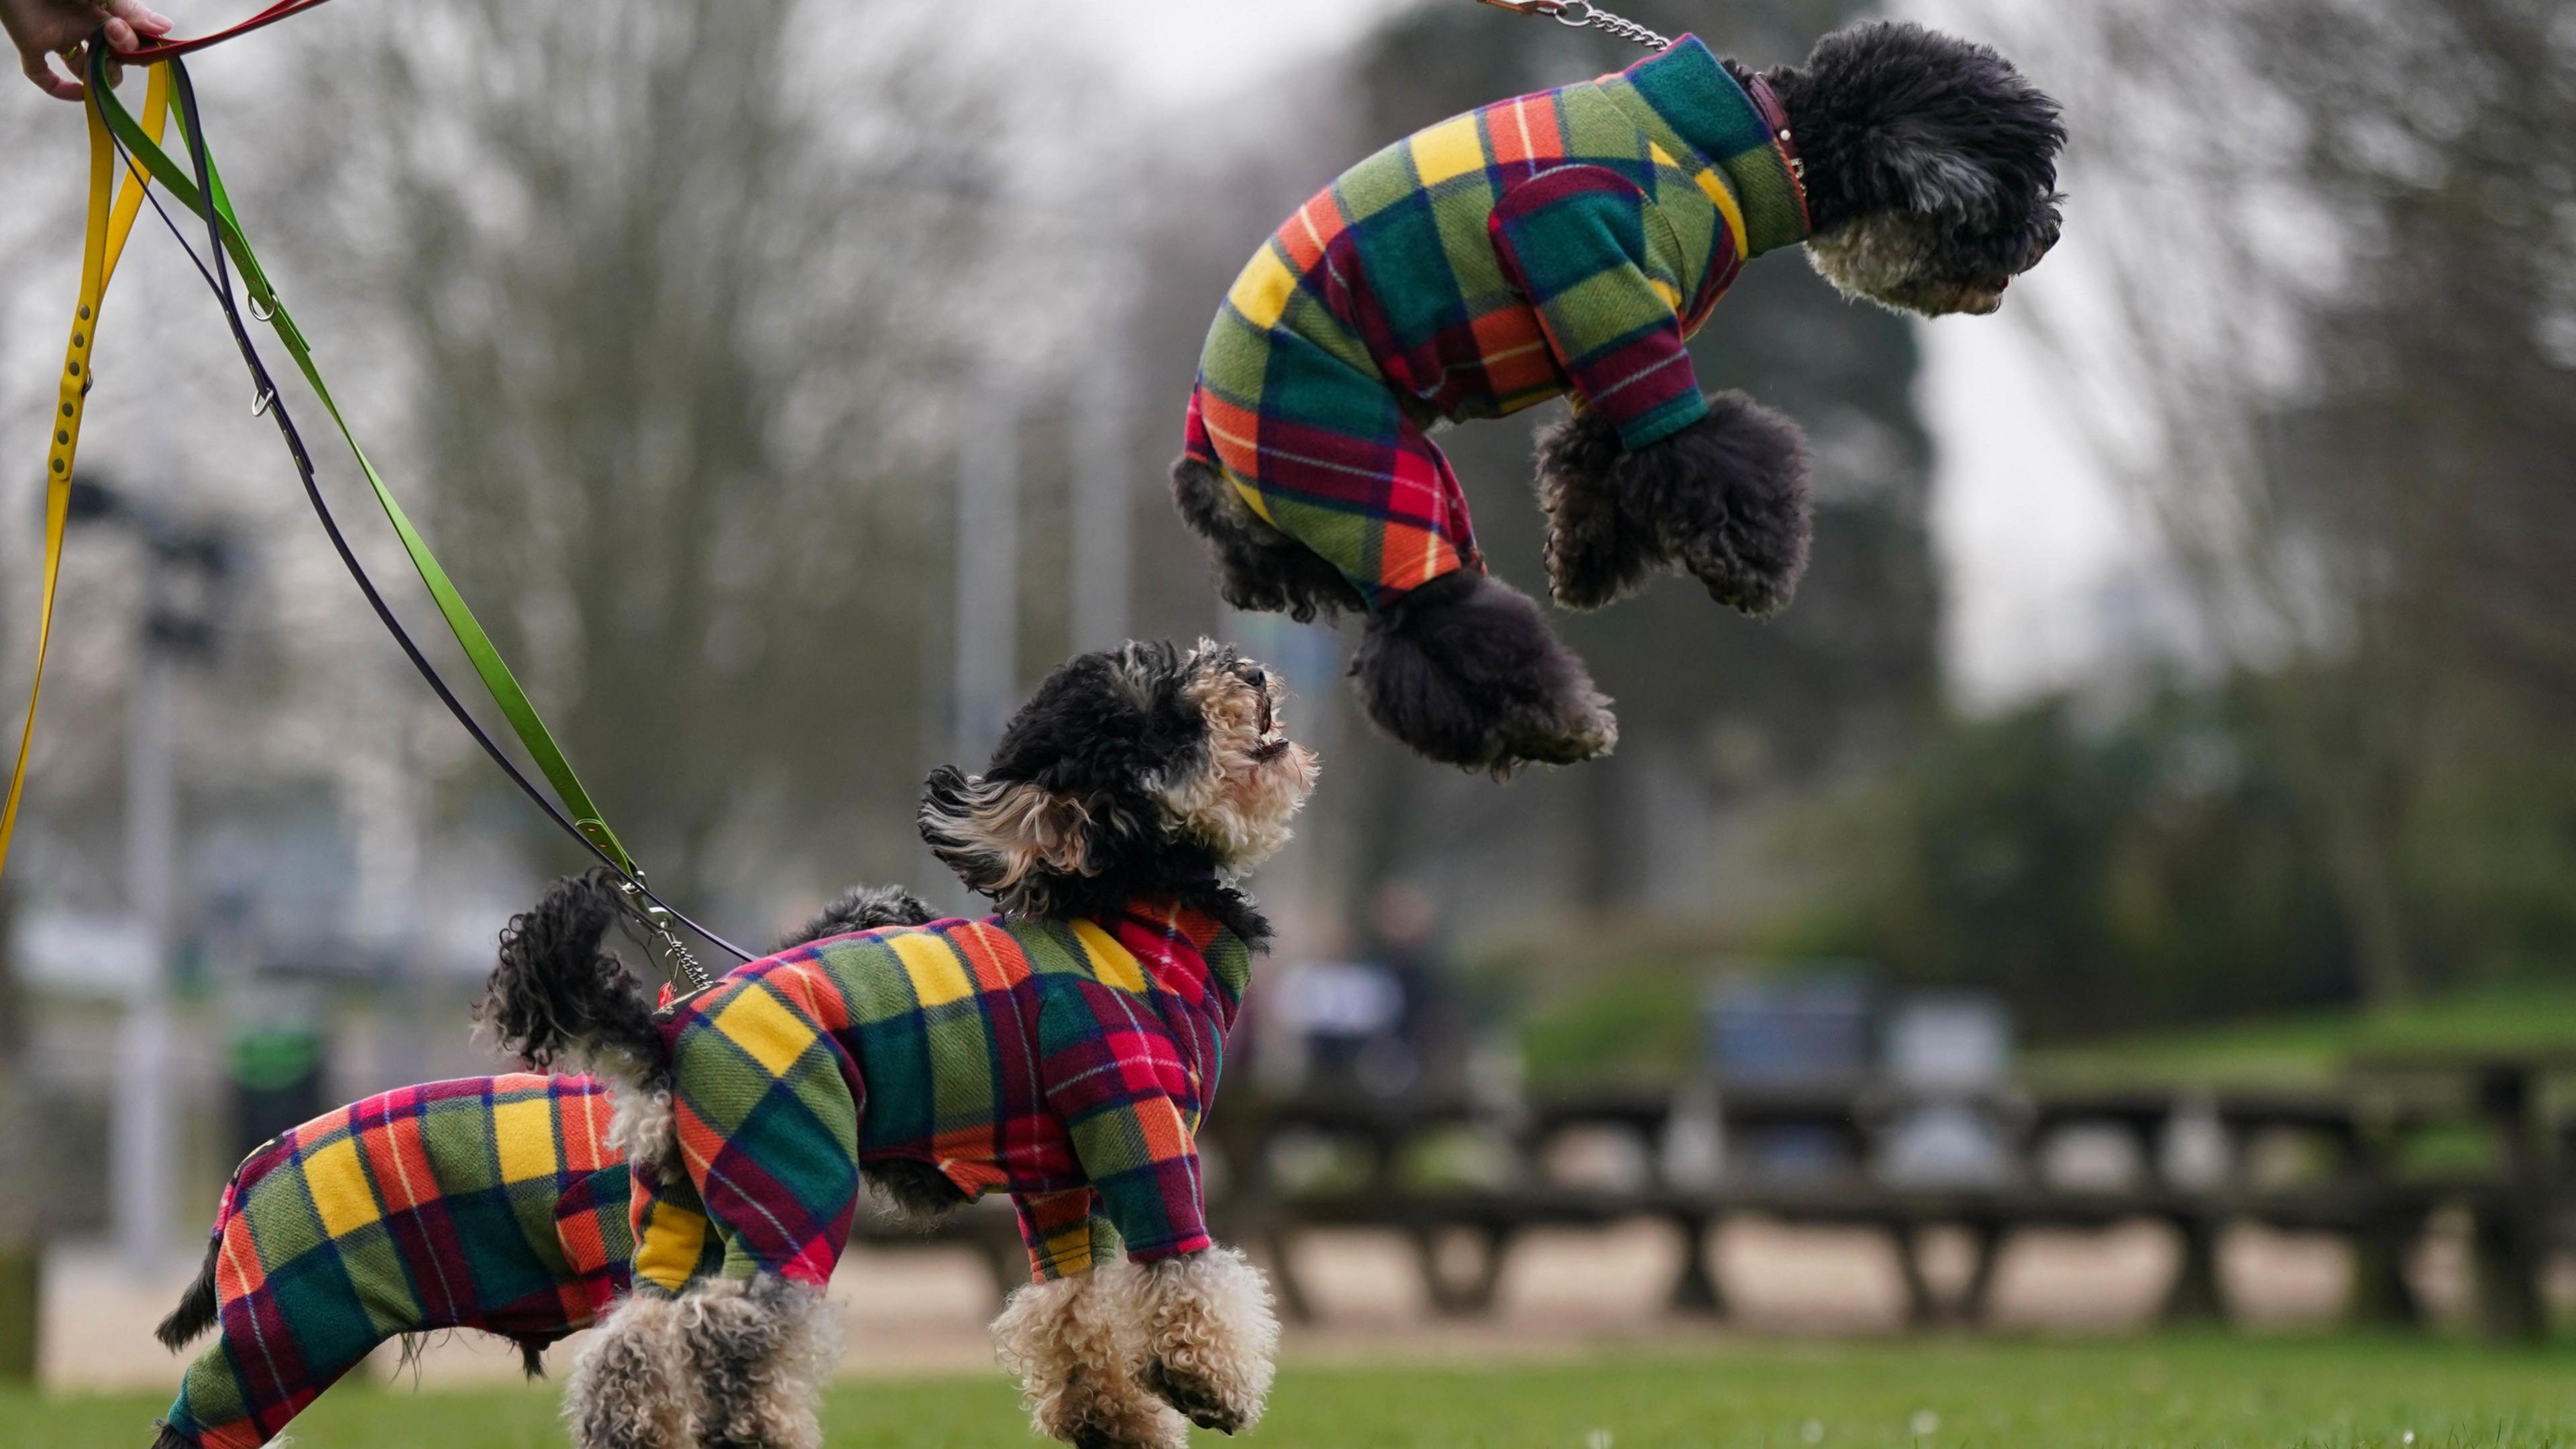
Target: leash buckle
[656, 920]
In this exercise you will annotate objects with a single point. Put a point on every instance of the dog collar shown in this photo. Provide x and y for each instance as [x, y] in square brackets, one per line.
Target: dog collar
[1776, 117]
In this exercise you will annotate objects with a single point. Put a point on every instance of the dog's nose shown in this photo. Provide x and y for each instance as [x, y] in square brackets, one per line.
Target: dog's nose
[1256, 677]
[2047, 240]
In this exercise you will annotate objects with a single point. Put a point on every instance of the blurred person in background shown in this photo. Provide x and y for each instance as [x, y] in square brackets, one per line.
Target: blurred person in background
[1384, 1018]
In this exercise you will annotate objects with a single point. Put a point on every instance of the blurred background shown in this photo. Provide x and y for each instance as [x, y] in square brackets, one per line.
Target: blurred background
[2138, 876]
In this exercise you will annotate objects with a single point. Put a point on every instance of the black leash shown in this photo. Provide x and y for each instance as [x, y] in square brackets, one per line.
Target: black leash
[219, 281]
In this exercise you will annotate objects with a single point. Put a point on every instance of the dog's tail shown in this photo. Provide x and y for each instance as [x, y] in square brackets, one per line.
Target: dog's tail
[559, 996]
[198, 1306]
[860, 908]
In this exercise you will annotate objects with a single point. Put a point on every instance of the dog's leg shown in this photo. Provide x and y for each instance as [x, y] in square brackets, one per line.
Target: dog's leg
[759, 1351]
[1725, 499]
[1464, 670]
[1258, 568]
[1073, 1345]
[631, 1387]
[1211, 1337]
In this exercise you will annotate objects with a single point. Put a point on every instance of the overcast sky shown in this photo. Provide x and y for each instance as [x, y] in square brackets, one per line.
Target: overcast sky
[2037, 547]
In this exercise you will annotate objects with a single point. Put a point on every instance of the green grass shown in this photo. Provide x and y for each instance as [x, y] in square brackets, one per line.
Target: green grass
[2201, 1392]
[2315, 1048]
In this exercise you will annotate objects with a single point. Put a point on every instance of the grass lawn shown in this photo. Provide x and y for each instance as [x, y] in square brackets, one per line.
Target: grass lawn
[2200, 1392]
[2313, 1049]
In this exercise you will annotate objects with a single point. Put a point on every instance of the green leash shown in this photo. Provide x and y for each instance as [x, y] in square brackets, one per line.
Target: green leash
[578, 814]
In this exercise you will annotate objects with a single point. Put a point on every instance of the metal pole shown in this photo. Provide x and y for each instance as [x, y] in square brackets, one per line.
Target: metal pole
[22, 1249]
[1101, 549]
[988, 572]
[141, 1137]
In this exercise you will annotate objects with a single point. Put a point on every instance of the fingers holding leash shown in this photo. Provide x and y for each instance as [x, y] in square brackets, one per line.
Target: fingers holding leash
[39, 68]
[130, 21]
[45, 30]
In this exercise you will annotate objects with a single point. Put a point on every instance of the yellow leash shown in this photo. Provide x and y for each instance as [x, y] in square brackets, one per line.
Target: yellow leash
[109, 224]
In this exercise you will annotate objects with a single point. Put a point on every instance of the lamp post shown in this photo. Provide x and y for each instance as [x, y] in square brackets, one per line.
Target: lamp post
[182, 591]
[988, 572]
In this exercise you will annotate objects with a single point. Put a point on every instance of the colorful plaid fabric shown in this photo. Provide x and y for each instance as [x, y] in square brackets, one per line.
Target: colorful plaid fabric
[1569, 240]
[1066, 1062]
[492, 1203]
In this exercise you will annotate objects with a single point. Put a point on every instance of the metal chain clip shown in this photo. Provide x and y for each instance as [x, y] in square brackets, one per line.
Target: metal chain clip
[656, 920]
[1581, 15]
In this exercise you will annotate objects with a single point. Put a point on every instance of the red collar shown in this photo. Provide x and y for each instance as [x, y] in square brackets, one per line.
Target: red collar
[1776, 117]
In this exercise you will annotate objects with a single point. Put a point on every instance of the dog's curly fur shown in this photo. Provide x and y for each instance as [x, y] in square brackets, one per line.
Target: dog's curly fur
[631, 1387]
[1211, 1337]
[1076, 1347]
[559, 996]
[1465, 671]
[759, 1351]
[1725, 498]
[860, 908]
[1931, 166]
[1258, 568]
[1086, 802]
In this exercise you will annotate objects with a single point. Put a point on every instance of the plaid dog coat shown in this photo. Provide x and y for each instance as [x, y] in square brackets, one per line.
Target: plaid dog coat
[1064, 1061]
[1570, 240]
[494, 1203]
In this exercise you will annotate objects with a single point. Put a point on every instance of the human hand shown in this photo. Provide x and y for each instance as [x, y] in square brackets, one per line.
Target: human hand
[44, 29]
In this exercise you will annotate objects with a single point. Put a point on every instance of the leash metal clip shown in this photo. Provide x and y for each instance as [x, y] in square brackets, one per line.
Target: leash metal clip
[656, 920]
[1584, 15]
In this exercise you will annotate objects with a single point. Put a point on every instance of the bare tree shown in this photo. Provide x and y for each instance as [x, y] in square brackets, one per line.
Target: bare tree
[2324, 331]
[682, 292]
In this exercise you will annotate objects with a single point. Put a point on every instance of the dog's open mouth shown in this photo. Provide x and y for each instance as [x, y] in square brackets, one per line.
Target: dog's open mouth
[1274, 735]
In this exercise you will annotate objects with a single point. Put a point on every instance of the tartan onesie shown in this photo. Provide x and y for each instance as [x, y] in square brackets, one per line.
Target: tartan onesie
[494, 1203]
[1066, 1062]
[1572, 240]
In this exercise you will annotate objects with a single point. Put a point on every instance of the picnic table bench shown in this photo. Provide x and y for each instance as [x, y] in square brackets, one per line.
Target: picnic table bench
[2357, 1194]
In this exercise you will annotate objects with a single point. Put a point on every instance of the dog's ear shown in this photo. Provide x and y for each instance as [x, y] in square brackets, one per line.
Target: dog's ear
[1938, 173]
[1005, 839]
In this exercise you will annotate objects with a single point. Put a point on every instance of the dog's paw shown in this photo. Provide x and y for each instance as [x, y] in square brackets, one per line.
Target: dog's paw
[1124, 1420]
[1596, 552]
[1077, 1358]
[1210, 1337]
[1464, 670]
[1196, 1397]
[1728, 498]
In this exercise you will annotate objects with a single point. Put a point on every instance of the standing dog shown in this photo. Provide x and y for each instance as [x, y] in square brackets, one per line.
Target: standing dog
[1572, 241]
[492, 1203]
[1062, 1050]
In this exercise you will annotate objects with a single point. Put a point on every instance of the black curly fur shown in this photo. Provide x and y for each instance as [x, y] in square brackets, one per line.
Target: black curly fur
[1725, 498]
[558, 995]
[860, 908]
[1258, 568]
[169, 1438]
[1892, 117]
[1464, 670]
[197, 1306]
[1102, 732]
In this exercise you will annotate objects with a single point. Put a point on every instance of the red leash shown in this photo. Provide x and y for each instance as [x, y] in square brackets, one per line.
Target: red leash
[164, 49]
